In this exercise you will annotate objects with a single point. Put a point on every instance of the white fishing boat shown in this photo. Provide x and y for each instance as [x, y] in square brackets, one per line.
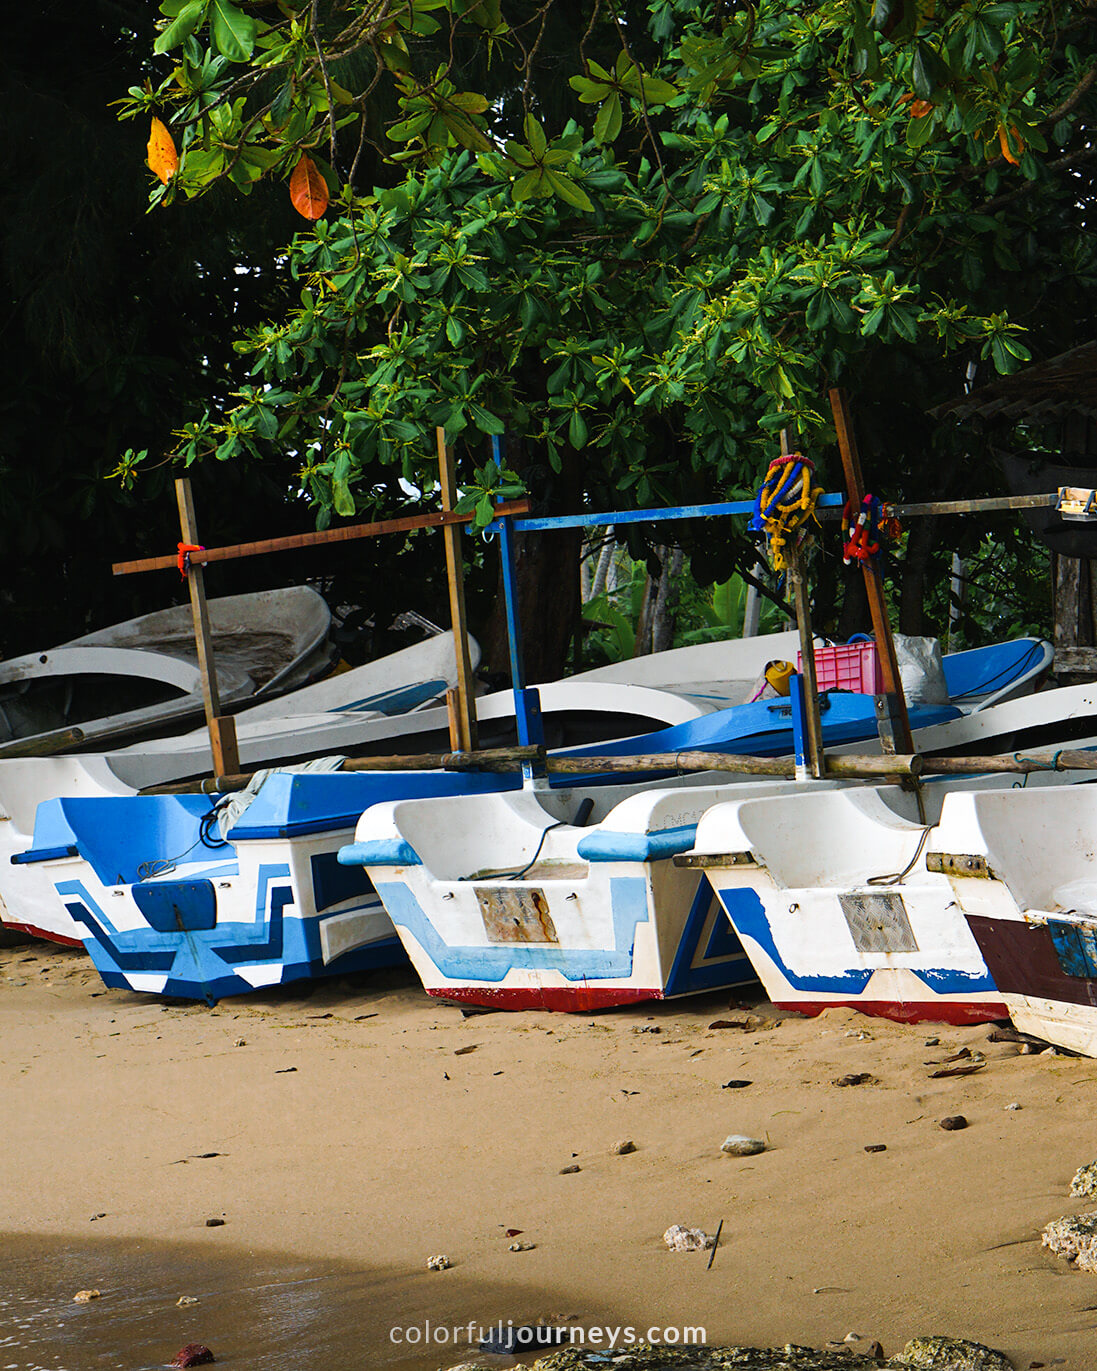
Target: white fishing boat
[560, 900]
[142, 675]
[830, 895]
[1022, 867]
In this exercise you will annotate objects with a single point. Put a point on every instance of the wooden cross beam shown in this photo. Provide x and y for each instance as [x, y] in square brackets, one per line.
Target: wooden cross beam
[222, 729]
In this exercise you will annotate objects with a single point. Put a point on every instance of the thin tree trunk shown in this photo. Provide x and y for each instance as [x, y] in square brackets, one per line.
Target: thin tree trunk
[547, 575]
[665, 615]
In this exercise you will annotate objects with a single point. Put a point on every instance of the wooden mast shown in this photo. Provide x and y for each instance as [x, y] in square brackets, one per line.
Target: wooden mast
[222, 729]
[892, 718]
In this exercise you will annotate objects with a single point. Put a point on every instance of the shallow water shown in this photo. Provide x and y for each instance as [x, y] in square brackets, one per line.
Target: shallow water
[257, 1312]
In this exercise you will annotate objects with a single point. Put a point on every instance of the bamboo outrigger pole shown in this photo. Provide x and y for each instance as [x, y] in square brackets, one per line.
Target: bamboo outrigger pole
[852, 767]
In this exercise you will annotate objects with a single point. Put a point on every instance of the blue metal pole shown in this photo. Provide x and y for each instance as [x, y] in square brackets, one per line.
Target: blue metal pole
[527, 702]
[799, 724]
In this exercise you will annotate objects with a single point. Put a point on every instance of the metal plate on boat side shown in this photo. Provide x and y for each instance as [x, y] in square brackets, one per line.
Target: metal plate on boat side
[515, 916]
[878, 921]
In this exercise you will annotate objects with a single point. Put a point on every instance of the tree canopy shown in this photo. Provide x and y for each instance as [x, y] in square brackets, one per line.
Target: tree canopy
[637, 239]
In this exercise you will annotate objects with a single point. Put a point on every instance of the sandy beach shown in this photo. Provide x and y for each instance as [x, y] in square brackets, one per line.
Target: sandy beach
[348, 1132]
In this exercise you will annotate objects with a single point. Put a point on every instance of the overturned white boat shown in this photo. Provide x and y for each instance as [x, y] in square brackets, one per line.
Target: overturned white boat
[142, 675]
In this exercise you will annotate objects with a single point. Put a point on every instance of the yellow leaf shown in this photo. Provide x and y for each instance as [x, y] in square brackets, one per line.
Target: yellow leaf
[163, 159]
[1007, 142]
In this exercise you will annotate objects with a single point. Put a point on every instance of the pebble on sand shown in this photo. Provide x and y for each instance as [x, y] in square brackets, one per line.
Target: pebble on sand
[739, 1145]
[521, 1247]
[953, 1123]
[572, 1170]
[439, 1263]
[1074, 1237]
[215, 1223]
[1085, 1181]
[623, 1148]
[184, 1301]
[681, 1239]
[194, 1354]
[85, 1296]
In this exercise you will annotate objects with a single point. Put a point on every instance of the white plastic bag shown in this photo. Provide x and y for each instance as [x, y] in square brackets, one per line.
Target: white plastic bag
[921, 670]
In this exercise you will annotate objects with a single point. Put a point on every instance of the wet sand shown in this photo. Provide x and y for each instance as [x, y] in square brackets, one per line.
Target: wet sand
[356, 1135]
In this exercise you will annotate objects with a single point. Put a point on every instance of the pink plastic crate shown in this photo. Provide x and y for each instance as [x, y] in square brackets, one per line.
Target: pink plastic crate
[847, 666]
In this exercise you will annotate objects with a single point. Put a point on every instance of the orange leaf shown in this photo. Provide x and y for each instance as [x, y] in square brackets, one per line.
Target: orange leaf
[307, 189]
[1004, 144]
[163, 159]
[920, 108]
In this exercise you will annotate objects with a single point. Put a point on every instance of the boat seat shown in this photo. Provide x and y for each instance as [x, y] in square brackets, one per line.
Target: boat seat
[832, 838]
[1041, 843]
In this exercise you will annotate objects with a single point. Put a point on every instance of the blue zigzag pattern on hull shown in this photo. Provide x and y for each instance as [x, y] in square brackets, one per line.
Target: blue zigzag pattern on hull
[724, 961]
[748, 916]
[628, 898]
[197, 962]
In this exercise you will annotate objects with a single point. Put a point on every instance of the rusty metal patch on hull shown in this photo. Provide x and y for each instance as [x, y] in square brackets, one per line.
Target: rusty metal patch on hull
[515, 916]
[958, 864]
[878, 921]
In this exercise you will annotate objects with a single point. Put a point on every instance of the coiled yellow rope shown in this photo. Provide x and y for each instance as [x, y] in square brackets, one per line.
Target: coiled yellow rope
[784, 504]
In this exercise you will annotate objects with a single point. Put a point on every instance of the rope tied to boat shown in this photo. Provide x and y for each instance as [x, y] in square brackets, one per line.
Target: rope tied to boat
[182, 560]
[863, 537]
[784, 504]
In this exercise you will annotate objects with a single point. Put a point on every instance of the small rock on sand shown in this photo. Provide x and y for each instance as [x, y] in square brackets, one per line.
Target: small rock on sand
[623, 1148]
[184, 1300]
[681, 1239]
[521, 1247]
[572, 1170]
[439, 1263]
[951, 1354]
[953, 1123]
[739, 1145]
[85, 1296]
[1085, 1181]
[855, 1078]
[1074, 1237]
[194, 1354]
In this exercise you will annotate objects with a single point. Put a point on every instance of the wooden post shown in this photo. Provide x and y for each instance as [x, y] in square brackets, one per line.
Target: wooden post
[463, 714]
[222, 730]
[813, 723]
[894, 724]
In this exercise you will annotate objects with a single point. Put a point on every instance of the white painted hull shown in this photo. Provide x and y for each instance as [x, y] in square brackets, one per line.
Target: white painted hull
[500, 902]
[803, 880]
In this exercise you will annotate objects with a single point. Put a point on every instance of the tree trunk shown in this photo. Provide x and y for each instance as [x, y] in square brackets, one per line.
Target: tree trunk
[912, 593]
[664, 620]
[547, 577]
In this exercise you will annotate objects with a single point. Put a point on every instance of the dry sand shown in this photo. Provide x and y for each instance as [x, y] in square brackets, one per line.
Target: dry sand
[362, 1127]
